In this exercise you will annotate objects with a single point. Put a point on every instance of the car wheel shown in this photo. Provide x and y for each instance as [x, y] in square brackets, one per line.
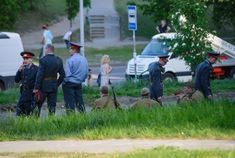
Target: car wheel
[2, 87]
[169, 77]
[232, 73]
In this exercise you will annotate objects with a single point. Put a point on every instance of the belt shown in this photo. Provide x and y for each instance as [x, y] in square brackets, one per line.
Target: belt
[50, 78]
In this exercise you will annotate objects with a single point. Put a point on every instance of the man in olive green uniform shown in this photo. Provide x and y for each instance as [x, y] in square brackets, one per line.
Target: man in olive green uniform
[145, 100]
[189, 94]
[105, 102]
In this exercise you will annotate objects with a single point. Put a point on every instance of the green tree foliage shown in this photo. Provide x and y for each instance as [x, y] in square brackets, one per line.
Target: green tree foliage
[190, 23]
[187, 18]
[26, 5]
[72, 7]
[10, 9]
[8, 14]
[223, 11]
[158, 9]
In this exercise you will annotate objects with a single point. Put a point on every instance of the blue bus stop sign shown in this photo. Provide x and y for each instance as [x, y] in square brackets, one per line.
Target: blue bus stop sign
[132, 18]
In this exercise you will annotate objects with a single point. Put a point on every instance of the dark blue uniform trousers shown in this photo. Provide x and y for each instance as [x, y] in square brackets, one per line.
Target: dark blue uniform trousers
[73, 97]
[25, 103]
[51, 101]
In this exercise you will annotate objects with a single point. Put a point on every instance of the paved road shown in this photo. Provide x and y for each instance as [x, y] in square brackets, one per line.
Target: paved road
[112, 145]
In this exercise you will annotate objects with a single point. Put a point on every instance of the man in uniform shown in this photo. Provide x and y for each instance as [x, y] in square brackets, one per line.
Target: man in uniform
[27, 76]
[145, 100]
[76, 70]
[155, 69]
[105, 102]
[46, 81]
[202, 81]
[189, 94]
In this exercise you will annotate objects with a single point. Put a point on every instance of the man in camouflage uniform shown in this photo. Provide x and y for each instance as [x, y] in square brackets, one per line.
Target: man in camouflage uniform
[105, 102]
[189, 94]
[145, 100]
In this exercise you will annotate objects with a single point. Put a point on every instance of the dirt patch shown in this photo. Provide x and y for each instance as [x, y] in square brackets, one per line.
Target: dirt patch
[125, 101]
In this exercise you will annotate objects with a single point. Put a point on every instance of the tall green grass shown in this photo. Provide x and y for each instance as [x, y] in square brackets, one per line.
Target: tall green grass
[196, 120]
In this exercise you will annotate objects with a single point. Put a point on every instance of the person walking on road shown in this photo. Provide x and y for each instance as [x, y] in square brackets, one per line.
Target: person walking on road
[49, 68]
[67, 38]
[203, 71]
[27, 76]
[155, 69]
[76, 71]
[105, 70]
[47, 38]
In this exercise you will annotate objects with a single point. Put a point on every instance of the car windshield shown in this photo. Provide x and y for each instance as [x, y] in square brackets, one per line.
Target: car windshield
[155, 48]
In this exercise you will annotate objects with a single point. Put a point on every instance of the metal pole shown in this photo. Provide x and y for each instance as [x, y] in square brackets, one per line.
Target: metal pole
[81, 27]
[134, 54]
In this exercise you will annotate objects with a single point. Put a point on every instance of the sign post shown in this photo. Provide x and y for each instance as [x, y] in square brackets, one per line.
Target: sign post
[81, 27]
[132, 26]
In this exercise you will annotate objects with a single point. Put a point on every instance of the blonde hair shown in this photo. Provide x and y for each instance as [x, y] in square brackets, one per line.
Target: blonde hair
[105, 59]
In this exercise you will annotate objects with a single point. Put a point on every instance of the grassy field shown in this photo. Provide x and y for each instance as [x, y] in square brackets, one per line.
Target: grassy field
[117, 54]
[211, 120]
[146, 25]
[124, 89]
[162, 152]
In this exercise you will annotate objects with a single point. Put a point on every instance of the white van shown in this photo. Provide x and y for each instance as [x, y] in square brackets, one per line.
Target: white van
[175, 69]
[10, 59]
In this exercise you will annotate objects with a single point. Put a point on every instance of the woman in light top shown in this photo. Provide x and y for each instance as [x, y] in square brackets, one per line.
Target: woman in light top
[105, 70]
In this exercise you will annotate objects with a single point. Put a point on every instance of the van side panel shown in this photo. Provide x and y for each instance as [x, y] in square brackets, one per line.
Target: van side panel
[10, 60]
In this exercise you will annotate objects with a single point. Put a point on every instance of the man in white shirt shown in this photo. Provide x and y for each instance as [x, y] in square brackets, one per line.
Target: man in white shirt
[67, 38]
[46, 39]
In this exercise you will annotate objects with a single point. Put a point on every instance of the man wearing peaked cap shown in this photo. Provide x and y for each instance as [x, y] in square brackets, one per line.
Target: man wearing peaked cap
[76, 46]
[76, 72]
[203, 70]
[26, 75]
[155, 75]
[27, 54]
[214, 54]
[163, 56]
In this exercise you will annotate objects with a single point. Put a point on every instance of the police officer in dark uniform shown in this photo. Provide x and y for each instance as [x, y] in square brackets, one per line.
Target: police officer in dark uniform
[155, 69]
[46, 81]
[202, 81]
[26, 75]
